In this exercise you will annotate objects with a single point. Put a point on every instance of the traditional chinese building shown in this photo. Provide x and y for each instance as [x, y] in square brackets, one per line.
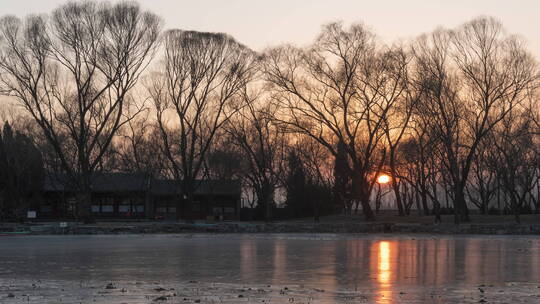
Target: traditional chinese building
[139, 196]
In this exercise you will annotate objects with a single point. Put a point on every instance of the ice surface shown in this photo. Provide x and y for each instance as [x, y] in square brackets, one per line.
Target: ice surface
[281, 268]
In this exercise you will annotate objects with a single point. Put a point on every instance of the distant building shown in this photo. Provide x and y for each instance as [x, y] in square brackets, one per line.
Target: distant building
[139, 196]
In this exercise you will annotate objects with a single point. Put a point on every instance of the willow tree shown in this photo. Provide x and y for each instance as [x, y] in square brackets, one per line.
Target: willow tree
[396, 124]
[472, 79]
[194, 94]
[263, 148]
[514, 159]
[340, 89]
[72, 72]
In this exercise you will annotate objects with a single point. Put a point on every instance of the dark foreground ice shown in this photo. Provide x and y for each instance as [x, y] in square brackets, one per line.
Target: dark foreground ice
[257, 268]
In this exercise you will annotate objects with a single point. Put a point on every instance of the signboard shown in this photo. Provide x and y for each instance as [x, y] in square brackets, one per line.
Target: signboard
[63, 224]
[31, 214]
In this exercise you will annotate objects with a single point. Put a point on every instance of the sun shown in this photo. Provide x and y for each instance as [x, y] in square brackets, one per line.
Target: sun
[383, 179]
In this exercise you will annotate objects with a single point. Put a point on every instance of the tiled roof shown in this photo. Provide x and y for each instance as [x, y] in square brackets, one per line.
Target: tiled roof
[170, 187]
[101, 182]
[139, 182]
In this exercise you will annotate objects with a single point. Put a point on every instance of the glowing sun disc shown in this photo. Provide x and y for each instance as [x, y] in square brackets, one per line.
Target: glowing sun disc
[383, 179]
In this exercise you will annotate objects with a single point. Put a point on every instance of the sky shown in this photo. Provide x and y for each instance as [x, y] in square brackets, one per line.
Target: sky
[264, 23]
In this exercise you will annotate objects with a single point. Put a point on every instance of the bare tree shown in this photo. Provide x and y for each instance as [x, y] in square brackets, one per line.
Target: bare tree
[317, 164]
[225, 161]
[514, 159]
[483, 183]
[263, 147]
[72, 72]
[195, 94]
[340, 90]
[419, 165]
[396, 123]
[473, 77]
[138, 148]
[316, 159]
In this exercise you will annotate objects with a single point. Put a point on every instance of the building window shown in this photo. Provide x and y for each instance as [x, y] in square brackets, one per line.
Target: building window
[217, 211]
[124, 208]
[107, 208]
[72, 204]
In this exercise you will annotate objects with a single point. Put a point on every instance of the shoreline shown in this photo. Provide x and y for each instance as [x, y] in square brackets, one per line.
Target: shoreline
[112, 228]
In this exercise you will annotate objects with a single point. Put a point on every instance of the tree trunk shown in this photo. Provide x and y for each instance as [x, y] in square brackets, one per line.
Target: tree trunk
[84, 206]
[499, 197]
[397, 193]
[395, 186]
[179, 206]
[378, 199]
[361, 186]
[184, 208]
[460, 206]
[437, 211]
[366, 209]
[317, 211]
[417, 199]
[264, 197]
[84, 200]
[516, 208]
[424, 202]
[268, 213]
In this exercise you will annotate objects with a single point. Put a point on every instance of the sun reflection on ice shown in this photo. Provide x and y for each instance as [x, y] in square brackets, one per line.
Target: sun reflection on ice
[384, 272]
[384, 262]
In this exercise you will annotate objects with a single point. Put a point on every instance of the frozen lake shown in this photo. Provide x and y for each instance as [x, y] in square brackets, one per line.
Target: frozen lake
[324, 268]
